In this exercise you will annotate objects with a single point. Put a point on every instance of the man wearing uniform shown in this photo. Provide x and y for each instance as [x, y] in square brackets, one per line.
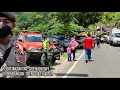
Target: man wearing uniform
[15, 57]
[47, 45]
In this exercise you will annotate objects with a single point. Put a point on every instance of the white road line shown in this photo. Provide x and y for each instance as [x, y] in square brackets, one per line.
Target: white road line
[73, 65]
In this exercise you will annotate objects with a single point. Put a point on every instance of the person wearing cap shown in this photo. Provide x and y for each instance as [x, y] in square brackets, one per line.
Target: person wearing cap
[74, 44]
[88, 45]
[16, 57]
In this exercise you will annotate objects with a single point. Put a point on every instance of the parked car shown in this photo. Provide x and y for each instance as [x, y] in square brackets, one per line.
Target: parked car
[57, 42]
[32, 45]
[80, 40]
[65, 44]
[54, 39]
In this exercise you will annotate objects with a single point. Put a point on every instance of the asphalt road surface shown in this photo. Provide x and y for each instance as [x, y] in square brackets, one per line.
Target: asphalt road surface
[105, 64]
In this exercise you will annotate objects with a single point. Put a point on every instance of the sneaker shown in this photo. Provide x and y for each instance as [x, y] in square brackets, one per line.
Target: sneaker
[86, 61]
[90, 60]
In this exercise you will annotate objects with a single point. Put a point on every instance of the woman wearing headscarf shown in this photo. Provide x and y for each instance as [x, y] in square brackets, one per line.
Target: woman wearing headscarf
[74, 45]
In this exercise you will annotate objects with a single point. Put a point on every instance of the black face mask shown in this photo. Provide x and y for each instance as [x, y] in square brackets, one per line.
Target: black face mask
[4, 30]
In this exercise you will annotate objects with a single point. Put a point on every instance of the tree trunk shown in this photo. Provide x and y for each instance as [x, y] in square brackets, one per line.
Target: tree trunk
[66, 29]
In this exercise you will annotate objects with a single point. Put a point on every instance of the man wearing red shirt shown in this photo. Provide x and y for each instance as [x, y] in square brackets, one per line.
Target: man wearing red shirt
[88, 45]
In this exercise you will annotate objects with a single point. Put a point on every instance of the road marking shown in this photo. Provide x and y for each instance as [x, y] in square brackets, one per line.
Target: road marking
[73, 65]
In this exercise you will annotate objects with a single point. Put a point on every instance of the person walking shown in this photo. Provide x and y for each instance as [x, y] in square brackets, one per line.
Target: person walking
[98, 41]
[74, 45]
[88, 45]
[69, 53]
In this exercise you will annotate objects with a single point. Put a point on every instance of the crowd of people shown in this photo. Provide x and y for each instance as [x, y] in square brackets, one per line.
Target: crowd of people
[90, 42]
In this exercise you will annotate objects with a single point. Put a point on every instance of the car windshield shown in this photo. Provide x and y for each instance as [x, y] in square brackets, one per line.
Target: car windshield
[52, 38]
[117, 34]
[33, 38]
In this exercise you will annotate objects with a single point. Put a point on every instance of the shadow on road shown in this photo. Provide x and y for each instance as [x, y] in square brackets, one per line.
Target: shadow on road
[75, 75]
[116, 45]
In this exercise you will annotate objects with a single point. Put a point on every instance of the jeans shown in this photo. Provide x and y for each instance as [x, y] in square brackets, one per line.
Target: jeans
[87, 54]
[69, 56]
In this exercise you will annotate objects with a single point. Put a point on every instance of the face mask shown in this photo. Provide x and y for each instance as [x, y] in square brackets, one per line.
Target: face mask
[4, 30]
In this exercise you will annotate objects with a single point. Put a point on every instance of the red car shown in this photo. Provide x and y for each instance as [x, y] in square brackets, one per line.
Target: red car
[32, 44]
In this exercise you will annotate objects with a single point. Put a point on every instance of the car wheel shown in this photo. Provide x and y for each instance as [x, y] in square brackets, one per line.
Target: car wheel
[58, 58]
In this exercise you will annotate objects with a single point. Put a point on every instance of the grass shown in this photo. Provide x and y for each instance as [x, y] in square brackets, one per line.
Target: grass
[63, 56]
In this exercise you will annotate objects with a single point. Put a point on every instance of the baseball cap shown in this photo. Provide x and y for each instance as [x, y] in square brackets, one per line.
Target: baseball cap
[8, 15]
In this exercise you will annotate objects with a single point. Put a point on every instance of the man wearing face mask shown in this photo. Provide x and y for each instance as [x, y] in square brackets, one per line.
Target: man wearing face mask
[15, 53]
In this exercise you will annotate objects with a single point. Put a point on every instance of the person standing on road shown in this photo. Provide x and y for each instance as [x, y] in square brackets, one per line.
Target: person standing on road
[74, 44]
[94, 40]
[47, 45]
[69, 53]
[88, 45]
[98, 41]
[11, 54]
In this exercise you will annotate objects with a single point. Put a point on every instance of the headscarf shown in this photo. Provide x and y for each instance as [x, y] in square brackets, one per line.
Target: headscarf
[72, 39]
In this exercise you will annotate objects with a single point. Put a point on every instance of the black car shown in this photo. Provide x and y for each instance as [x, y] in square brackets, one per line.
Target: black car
[80, 40]
[57, 43]
[54, 39]
[65, 44]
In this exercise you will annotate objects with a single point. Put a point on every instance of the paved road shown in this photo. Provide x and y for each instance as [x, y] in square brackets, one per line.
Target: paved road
[105, 64]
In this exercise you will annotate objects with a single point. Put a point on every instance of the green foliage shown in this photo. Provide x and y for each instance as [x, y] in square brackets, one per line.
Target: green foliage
[63, 22]
[74, 28]
[91, 28]
[57, 29]
[16, 31]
